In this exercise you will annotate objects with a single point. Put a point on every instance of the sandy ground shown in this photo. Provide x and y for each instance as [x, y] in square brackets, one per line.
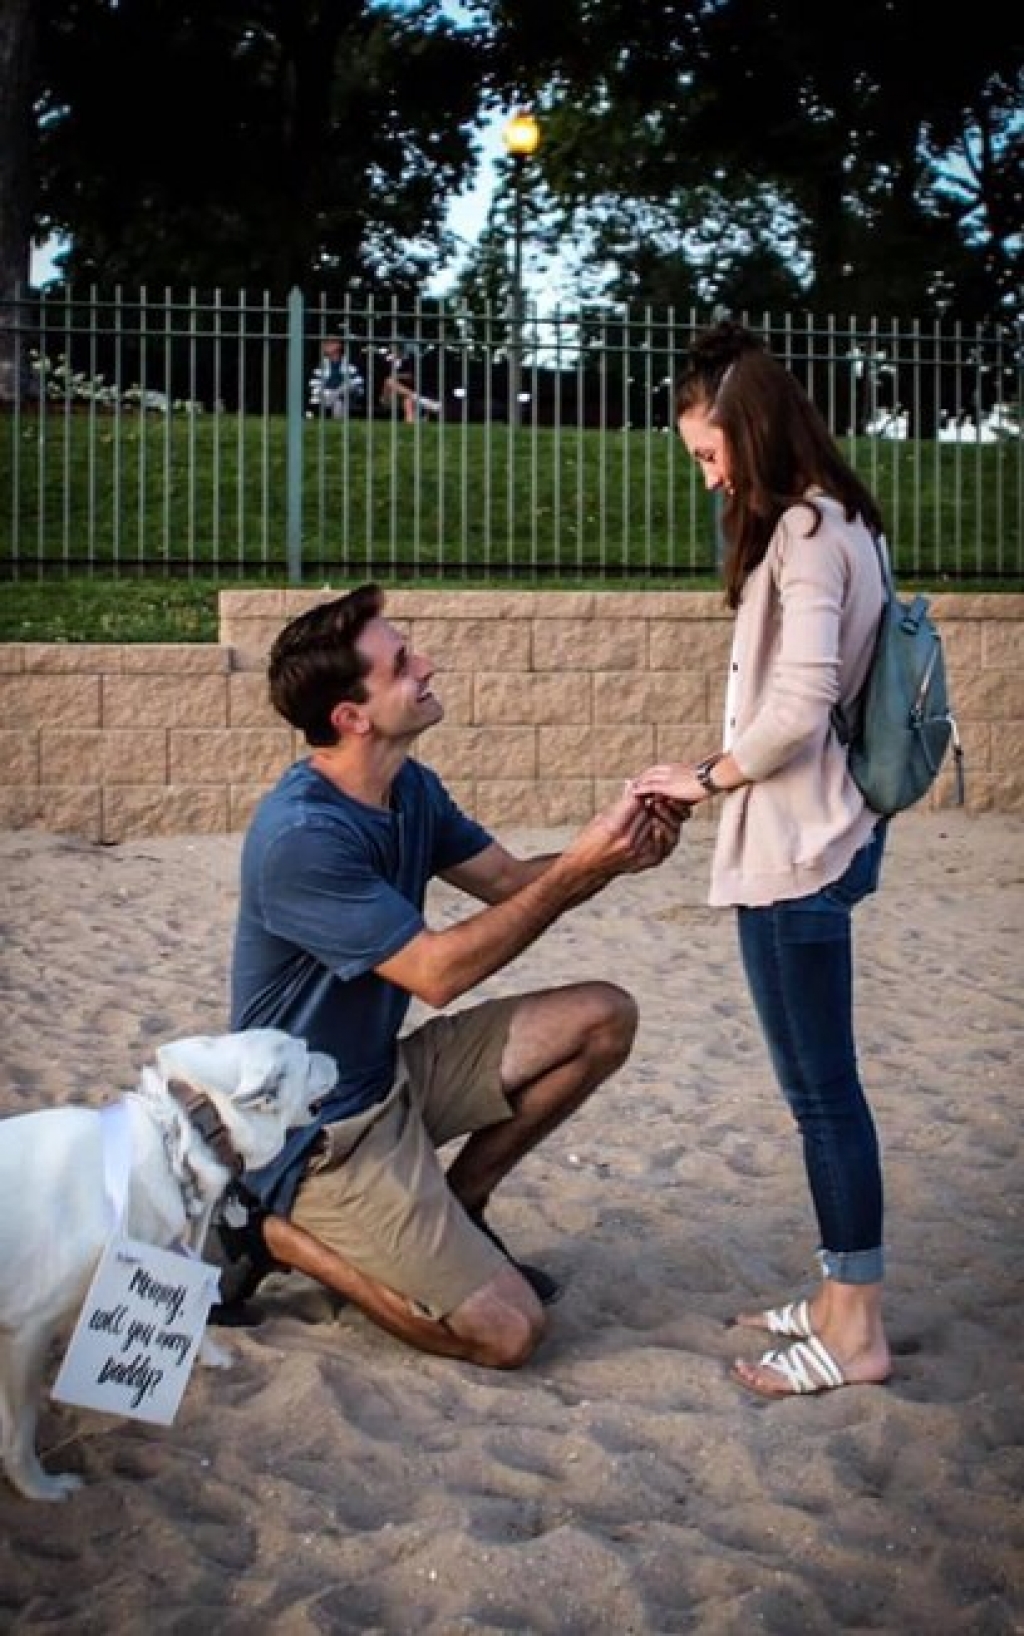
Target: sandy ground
[621, 1484]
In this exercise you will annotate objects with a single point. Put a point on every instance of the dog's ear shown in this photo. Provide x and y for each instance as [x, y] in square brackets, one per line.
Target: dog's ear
[191, 1058]
[263, 1072]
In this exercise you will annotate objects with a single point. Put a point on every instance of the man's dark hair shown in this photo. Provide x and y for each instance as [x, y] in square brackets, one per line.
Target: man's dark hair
[314, 663]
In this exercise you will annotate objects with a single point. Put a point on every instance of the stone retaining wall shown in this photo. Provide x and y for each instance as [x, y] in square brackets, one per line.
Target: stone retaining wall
[551, 699]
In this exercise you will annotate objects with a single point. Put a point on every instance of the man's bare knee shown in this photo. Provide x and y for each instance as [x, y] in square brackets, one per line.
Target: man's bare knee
[617, 1017]
[514, 1346]
[624, 1014]
[502, 1323]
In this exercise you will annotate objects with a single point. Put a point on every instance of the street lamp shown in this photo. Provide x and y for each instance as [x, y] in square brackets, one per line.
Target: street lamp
[522, 139]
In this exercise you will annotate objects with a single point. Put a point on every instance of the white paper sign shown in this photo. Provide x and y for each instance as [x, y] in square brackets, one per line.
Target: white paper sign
[137, 1335]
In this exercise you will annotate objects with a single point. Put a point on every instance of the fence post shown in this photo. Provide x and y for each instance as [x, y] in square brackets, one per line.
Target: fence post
[296, 401]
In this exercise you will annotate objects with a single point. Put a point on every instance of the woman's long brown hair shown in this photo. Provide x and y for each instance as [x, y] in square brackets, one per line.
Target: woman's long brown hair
[778, 444]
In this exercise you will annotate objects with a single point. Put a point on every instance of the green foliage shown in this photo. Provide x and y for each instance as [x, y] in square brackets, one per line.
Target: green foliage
[209, 144]
[770, 154]
[897, 157]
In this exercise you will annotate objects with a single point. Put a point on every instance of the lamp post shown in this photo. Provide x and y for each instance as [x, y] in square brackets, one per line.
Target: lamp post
[522, 139]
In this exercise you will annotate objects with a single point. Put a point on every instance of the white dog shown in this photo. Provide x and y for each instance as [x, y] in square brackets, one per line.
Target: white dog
[211, 1106]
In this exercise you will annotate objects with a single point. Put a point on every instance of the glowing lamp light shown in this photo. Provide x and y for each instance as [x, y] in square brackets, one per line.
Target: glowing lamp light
[521, 135]
[522, 139]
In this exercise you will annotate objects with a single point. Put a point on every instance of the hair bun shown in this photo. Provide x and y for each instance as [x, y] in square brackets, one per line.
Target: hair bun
[718, 347]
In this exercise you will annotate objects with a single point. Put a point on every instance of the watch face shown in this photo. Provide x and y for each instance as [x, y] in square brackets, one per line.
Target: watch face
[704, 774]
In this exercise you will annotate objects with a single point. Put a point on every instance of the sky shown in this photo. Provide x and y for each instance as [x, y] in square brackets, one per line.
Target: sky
[468, 212]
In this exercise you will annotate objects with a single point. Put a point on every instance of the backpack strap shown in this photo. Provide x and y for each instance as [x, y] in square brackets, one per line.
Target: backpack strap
[846, 718]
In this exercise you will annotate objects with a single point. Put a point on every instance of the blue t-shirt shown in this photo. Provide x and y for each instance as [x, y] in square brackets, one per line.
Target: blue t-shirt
[329, 889]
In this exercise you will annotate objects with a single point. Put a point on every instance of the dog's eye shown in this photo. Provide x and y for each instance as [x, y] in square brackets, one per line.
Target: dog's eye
[267, 1089]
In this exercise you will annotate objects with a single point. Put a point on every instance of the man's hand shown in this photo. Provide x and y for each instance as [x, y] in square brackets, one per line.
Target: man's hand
[627, 837]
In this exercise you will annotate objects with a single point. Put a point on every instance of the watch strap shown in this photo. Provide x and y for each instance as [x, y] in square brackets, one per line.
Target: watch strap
[704, 774]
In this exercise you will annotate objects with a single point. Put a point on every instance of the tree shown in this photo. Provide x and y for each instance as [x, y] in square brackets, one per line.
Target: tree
[17, 30]
[976, 159]
[728, 150]
[274, 142]
[676, 109]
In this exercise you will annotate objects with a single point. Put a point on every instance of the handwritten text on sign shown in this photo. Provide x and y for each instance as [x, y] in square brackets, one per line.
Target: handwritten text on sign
[137, 1335]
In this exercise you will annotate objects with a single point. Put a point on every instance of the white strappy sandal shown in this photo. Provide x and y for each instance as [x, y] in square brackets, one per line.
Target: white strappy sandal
[793, 1320]
[806, 1367]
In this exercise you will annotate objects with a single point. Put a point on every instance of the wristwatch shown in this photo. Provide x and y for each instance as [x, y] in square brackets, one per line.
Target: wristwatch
[703, 774]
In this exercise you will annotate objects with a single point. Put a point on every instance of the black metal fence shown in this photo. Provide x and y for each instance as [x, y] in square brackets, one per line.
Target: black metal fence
[221, 435]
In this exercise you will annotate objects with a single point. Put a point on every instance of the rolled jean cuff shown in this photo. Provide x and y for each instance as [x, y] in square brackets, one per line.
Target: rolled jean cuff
[853, 1266]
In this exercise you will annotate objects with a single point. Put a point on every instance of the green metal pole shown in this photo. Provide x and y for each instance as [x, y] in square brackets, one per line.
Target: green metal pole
[293, 466]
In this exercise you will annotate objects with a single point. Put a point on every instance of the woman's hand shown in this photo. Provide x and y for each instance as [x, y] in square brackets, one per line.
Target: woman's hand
[668, 782]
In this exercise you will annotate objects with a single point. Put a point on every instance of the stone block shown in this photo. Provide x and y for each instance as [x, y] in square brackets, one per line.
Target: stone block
[73, 658]
[177, 658]
[242, 802]
[468, 644]
[133, 811]
[130, 757]
[61, 809]
[988, 695]
[455, 690]
[248, 703]
[566, 753]
[683, 741]
[525, 804]
[243, 756]
[165, 701]
[1001, 646]
[531, 698]
[573, 645]
[51, 699]
[233, 607]
[689, 646]
[19, 757]
[251, 643]
[478, 752]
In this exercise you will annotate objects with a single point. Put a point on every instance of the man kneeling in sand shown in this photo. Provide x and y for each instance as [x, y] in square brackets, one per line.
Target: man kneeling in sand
[331, 944]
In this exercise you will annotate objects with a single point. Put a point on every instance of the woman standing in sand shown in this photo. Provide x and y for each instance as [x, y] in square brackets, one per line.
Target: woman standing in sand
[796, 846]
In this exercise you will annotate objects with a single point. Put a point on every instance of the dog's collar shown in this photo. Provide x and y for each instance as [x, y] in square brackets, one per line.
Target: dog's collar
[202, 1113]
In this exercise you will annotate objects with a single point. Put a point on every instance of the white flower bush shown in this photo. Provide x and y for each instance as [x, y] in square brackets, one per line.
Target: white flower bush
[60, 384]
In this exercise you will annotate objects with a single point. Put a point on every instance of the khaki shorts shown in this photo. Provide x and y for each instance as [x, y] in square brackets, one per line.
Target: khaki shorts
[376, 1193]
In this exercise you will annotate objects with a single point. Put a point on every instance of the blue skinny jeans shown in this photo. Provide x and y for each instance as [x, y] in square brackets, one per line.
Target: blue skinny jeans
[797, 956]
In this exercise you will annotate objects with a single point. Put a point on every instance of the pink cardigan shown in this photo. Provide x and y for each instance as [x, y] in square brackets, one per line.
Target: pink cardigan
[803, 638]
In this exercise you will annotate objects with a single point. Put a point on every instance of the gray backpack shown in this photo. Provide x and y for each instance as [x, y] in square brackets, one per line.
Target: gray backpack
[900, 727]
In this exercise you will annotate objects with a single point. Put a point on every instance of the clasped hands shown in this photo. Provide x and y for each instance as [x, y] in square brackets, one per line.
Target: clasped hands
[631, 834]
[669, 783]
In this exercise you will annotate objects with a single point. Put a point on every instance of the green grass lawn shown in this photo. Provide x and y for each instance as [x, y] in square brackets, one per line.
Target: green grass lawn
[123, 528]
[105, 610]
